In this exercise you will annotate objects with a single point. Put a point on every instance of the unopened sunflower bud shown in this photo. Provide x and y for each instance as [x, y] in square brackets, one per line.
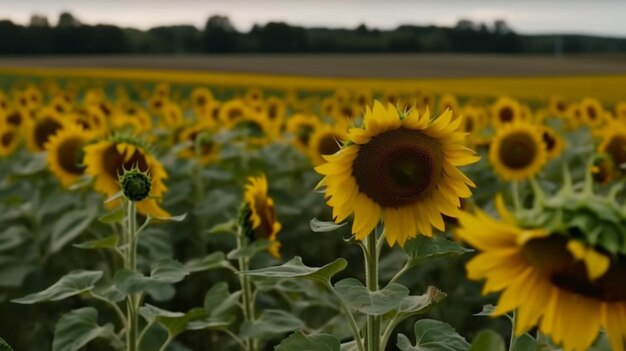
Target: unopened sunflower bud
[135, 184]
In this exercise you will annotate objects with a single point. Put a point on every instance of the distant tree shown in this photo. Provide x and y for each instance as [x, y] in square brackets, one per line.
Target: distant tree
[465, 24]
[280, 37]
[501, 27]
[66, 19]
[39, 21]
[219, 35]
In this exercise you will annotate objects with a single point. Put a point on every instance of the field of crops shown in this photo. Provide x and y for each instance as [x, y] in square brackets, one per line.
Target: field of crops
[179, 210]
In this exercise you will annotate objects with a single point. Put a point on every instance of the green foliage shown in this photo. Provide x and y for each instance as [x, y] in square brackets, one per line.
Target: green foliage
[373, 303]
[433, 335]
[294, 268]
[314, 342]
[422, 249]
[165, 272]
[4, 346]
[77, 328]
[270, 324]
[71, 284]
[487, 340]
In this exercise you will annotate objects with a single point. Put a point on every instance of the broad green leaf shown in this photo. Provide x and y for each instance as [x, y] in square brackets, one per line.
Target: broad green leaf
[150, 313]
[302, 342]
[228, 227]
[373, 303]
[115, 216]
[212, 261]
[218, 301]
[270, 324]
[318, 226]
[69, 226]
[33, 164]
[526, 342]
[111, 293]
[249, 250]
[487, 340]
[178, 324]
[349, 346]
[12, 237]
[14, 269]
[77, 328]
[433, 335]
[422, 249]
[73, 283]
[486, 311]
[4, 346]
[294, 268]
[108, 242]
[165, 272]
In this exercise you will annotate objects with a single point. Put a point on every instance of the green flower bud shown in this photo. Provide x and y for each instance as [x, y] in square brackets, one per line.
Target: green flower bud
[135, 184]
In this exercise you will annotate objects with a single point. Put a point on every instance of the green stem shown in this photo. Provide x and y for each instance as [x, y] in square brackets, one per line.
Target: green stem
[400, 273]
[387, 334]
[351, 321]
[236, 338]
[371, 280]
[513, 337]
[166, 343]
[131, 300]
[517, 204]
[246, 287]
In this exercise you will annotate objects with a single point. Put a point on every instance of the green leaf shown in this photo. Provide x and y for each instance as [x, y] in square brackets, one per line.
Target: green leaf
[414, 305]
[226, 227]
[34, 164]
[77, 328]
[178, 218]
[150, 313]
[212, 261]
[14, 269]
[249, 250]
[318, 226]
[218, 301]
[165, 272]
[294, 268]
[108, 242]
[487, 340]
[178, 324]
[302, 342]
[12, 237]
[71, 284]
[433, 335]
[69, 226]
[115, 216]
[4, 346]
[374, 303]
[526, 342]
[270, 324]
[421, 249]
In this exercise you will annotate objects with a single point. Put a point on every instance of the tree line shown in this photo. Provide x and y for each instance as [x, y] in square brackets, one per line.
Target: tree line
[70, 36]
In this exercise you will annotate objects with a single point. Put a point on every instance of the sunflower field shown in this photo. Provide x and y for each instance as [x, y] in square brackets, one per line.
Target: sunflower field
[146, 210]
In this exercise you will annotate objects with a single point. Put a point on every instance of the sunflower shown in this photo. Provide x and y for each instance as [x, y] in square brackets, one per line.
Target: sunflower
[172, 115]
[9, 139]
[201, 99]
[209, 150]
[133, 117]
[613, 144]
[401, 168]
[569, 290]
[472, 119]
[5, 106]
[363, 97]
[260, 219]
[47, 123]
[505, 110]
[106, 160]
[232, 110]
[329, 107]
[448, 102]
[91, 119]
[592, 112]
[620, 111]
[65, 153]
[275, 109]
[253, 96]
[517, 151]
[553, 142]
[256, 128]
[301, 126]
[162, 90]
[15, 118]
[325, 140]
[557, 105]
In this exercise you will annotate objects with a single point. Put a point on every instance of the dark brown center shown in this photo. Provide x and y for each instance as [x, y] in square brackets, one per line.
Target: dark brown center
[328, 144]
[114, 165]
[7, 138]
[70, 155]
[616, 148]
[517, 150]
[44, 129]
[548, 140]
[398, 167]
[506, 114]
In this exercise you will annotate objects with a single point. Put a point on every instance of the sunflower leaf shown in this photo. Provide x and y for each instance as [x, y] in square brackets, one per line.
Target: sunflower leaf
[108, 242]
[166, 272]
[324, 226]
[212, 261]
[294, 268]
[487, 340]
[4, 346]
[115, 216]
[78, 328]
[421, 249]
[71, 284]
[69, 226]
[433, 335]
[249, 250]
[374, 303]
[270, 324]
[301, 341]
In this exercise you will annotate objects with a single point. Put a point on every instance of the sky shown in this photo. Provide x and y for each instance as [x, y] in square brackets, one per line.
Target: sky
[599, 17]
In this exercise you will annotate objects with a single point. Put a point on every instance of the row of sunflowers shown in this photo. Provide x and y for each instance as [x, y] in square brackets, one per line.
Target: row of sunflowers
[119, 197]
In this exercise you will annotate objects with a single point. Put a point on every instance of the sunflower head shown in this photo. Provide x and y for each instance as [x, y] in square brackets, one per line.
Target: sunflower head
[135, 184]
[401, 168]
[325, 140]
[592, 112]
[258, 214]
[9, 138]
[505, 110]
[613, 144]
[65, 153]
[553, 143]
[517, 151]
[46, 124]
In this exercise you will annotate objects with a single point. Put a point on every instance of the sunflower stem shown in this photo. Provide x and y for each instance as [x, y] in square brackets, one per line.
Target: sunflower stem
[517, 204]
[351, 321]
[246, 287]
[513, 336]
[199, 182]
[131, 264]
[371, 280]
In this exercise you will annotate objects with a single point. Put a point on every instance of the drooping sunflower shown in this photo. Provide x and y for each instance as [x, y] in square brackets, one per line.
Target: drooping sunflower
[505, 110]
[208, 149]
[325, 140]
[566, 288]
[592, 112]
[106, 160]
[517, 151]
[9, 139]
[259, 216]
[301, 126]
[65, 153]
[553, 142]
[401, 168]
[47, 123]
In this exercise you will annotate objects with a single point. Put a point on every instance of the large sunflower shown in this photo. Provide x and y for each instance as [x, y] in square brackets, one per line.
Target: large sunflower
[260, 218]
[401, 168]
[566, 288]
[106, 160]
[517, 151]
[65, 153]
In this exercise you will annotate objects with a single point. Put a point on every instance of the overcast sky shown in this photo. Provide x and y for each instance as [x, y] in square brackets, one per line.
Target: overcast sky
[603, 17]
